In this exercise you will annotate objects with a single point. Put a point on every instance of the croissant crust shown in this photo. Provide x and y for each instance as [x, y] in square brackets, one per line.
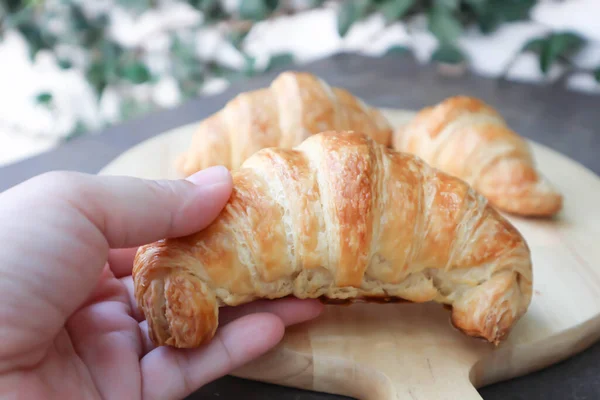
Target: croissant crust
[295, 106]
[343, 218]
[467, 138]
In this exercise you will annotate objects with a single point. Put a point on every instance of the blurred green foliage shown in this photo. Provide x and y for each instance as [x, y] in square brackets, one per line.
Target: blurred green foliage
[68, 29]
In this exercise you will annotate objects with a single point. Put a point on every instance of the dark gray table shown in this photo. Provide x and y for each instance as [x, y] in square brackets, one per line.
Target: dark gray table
[565, 121]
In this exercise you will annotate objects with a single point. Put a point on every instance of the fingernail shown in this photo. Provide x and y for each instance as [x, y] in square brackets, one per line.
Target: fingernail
[210, 176]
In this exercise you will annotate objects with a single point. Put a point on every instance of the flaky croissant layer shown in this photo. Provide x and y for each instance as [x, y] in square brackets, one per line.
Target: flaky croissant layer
[295, 106]
[339, 217]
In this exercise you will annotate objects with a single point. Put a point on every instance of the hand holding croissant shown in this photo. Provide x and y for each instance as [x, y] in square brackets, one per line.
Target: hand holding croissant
[70, 328]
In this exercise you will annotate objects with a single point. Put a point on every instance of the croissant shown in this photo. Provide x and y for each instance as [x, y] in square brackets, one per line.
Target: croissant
[339, 217]
[295, 106]
[467, 138]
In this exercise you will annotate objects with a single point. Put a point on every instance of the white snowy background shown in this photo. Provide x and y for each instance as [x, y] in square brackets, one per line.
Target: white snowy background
[28, 128]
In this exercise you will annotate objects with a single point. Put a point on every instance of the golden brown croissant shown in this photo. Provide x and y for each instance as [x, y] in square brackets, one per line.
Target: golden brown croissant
[467, 138]
[295, 106]
[339, 217]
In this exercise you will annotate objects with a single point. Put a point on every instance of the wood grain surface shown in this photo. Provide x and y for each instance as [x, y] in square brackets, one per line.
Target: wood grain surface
[372, 351]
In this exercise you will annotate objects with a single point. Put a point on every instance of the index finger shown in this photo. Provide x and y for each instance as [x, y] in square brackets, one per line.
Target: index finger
[121, 261]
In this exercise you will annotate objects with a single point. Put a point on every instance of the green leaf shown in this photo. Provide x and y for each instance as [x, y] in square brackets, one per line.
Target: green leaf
[443, 24]
[477, 5]
[222, 71]
[80, 130]
[349, 13]
[314, 3]
[397, 50]
[111, 48]
[393, 10]
[203, 5]
[12, 20]
[190, 75]
[211, 9]
[136, 72]
[182, 49]
[63, 63]
[597, 74]
[487, 21]
[137, 6]
[448, 4]
[279, 60]
[91, 36]
[255, 10]
[13, 6]
[104, 66]
[559, 45]
[272, 4]
[511, 10]
[236, 38]
[489, 14]
[568, 42]
[106, 56]
[89, 31]
[96, 77]
[534, 45]
[250, 66]
[44, 98]
[448, 54]
[131, 108]
[190, 89]
[186, 68]
[79, 20]
[34, 37]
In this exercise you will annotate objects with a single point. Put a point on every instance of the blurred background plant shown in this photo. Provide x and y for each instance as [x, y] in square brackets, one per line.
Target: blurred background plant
[183, 49]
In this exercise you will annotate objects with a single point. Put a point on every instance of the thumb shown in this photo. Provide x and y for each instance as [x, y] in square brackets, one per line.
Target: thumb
[130, 212]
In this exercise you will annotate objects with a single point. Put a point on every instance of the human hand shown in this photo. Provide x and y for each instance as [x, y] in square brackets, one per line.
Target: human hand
[69, 325]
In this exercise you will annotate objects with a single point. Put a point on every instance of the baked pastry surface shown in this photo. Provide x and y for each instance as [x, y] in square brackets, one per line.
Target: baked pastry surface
[295, 106]
[339, 217]
[467, 138]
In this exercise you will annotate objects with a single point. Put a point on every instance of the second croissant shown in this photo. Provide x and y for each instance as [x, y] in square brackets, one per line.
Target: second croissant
[467, 138]
[295, 106]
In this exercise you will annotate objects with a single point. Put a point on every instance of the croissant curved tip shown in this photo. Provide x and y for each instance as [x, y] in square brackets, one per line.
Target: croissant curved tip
[536, 200]
[494, 307]
[548, 208]
[493, 333]
[181, 310]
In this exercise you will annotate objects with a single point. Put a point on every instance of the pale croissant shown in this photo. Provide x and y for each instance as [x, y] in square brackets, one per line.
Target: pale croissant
[467, 138]
[295, 106]
[339, 217]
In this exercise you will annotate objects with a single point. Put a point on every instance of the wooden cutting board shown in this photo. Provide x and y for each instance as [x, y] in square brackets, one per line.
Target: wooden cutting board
[411, 351]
